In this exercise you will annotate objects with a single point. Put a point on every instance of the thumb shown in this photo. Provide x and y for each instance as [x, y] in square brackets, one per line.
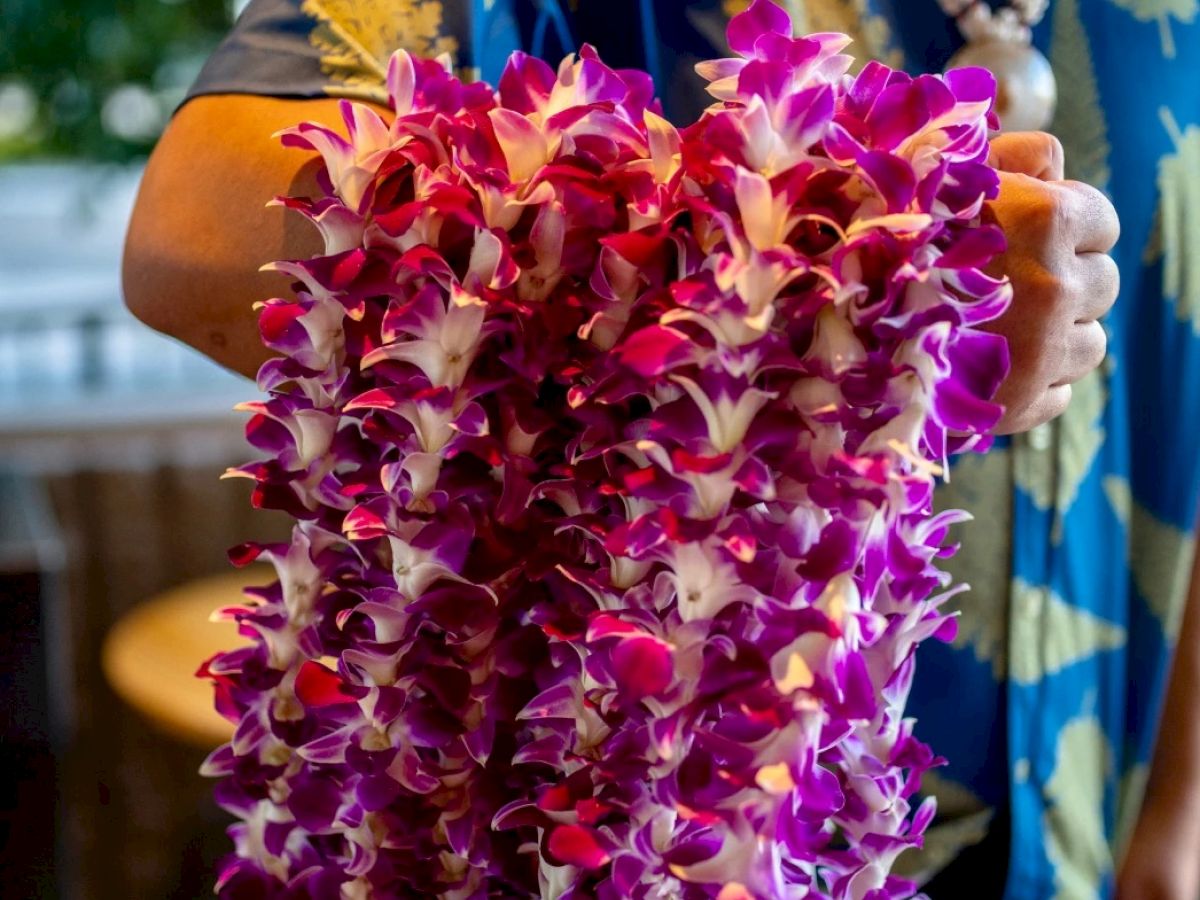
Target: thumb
[1033, 153]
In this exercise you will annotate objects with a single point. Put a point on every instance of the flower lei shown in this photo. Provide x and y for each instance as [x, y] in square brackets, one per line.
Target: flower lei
[612, 450]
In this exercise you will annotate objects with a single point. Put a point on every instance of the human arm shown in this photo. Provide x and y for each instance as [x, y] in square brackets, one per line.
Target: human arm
[201, 228]
[1162, 861]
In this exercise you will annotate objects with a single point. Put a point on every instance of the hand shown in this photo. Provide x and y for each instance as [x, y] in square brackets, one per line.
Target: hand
[1059, 234]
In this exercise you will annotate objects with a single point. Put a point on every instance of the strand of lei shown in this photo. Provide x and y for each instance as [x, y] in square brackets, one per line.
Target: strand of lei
[612, 448]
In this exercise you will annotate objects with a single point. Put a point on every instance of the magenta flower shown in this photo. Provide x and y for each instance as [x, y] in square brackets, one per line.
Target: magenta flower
[612, 448]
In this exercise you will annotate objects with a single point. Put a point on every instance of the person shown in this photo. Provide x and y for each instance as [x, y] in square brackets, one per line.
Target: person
[1060, 665]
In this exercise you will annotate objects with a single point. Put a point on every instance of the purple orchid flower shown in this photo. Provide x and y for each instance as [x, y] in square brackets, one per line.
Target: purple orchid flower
[611, 447]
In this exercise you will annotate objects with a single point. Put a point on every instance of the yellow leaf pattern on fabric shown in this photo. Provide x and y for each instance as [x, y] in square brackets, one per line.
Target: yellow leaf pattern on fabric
[1159, 557]
[1129, 803]
[1120, 497]
[962, 821]
[1053, 476]
[871, 33]
[1049, 634]
[356, 37]
[1162, 11]
[1078, 118]
[1033, 468]
[1179, 221]
[982, 485]
[1074, 820]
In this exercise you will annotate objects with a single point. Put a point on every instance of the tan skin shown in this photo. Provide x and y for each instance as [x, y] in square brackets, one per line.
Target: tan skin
[1162, 861]
[201, 228]
[200, 231]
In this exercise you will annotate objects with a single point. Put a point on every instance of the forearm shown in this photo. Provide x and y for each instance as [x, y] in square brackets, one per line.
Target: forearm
[201, 230]
[1174, 787]
[1162, 861]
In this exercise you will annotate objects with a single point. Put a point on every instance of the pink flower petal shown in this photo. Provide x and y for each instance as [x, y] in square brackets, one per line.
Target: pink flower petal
[577, 845]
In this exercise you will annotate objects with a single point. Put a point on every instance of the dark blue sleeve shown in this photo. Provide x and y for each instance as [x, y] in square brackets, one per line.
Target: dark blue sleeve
[340, 48]
[332, 48]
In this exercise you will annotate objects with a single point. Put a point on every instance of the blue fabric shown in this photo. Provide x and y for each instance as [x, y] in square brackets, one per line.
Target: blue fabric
[1116, 544]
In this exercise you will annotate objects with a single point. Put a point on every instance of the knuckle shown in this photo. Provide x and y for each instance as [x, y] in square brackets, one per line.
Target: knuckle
[1055, 212]
[1097, 284]
[1096, 214]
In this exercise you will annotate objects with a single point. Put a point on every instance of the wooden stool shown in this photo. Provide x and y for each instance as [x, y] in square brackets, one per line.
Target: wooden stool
[151, 654]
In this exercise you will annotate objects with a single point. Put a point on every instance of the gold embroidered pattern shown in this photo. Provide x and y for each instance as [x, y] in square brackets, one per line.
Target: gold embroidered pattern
[356, 37]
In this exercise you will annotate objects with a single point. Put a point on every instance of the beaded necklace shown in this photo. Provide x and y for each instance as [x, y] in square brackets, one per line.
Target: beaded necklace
[1001, 40]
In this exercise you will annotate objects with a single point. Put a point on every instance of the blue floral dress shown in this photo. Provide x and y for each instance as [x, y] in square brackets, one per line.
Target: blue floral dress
[1047, 702]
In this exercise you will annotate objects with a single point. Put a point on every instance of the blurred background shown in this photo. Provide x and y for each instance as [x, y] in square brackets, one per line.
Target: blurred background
[112, 438]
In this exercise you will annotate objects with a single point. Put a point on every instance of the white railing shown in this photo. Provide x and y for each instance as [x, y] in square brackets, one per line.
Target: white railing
[73, 360]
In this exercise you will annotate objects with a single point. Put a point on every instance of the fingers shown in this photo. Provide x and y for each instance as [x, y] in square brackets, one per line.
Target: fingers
[1092, 217]
[1059, 234]
[1086, 350]
[1020, 417]
[1033, 153]
[1099, 282]
[1057, 219]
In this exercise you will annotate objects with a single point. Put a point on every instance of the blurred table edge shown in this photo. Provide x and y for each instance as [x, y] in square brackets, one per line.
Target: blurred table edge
[152, 652]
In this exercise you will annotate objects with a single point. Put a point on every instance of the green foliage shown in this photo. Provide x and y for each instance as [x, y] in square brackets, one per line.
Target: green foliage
[62, 61]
